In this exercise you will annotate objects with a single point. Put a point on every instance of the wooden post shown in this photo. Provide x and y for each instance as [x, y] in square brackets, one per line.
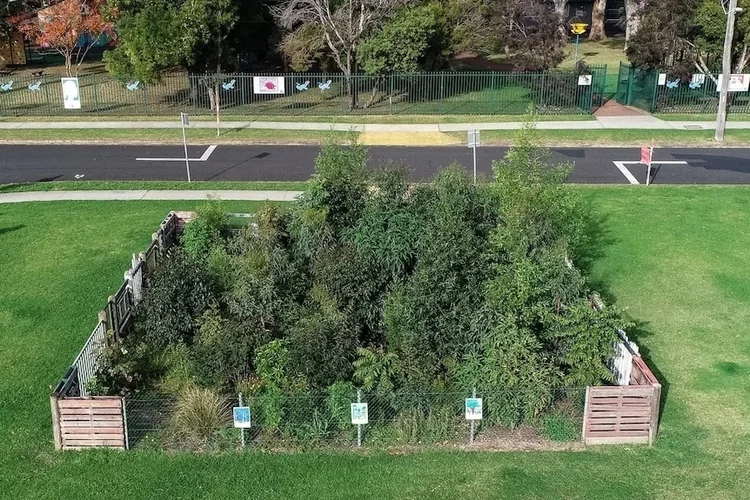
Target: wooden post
[55, 422]
[585, 415]
[113, 321]
[655, 403]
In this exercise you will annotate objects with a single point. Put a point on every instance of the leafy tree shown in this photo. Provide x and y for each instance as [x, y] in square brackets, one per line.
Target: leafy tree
[156, 35]
[710, 24]
[530, 33]
[663, 37]
[64, 25]
[344, 25]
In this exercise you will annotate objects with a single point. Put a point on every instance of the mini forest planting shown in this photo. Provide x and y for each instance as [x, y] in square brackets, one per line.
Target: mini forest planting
[414, 295]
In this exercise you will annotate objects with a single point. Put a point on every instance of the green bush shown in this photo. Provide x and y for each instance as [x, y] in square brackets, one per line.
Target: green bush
[340, 397]
[204, 231]
[559, 426]
[271, 406]
[201, 413]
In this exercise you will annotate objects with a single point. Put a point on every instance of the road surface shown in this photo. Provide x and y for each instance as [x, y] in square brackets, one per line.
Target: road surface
[24, 163]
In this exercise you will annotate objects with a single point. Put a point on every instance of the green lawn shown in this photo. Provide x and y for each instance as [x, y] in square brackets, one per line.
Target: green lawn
[195, 136]
[675, 256]
[387, 119]
[618, 137]
[706, 117]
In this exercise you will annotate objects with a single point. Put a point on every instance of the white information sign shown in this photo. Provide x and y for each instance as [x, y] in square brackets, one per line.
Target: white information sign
[473, 408]
[359, 413]
[268, 85]
[585, 79]
[473, 138]
[185, 119]
[71, 96]
[241, 416]
[662, 78]
[737, 83]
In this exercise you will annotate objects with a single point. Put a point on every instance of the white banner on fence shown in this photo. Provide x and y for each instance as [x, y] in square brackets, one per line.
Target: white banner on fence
[359, 414]
[268, 85]
[71, 97]
[585, 80]
[737, 83]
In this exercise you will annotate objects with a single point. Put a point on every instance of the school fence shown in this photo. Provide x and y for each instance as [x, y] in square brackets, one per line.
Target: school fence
[657, 92]
[319, 94]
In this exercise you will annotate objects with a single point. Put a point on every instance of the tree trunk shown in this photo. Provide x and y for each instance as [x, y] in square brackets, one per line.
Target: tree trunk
[561, 11]
[69, 64]
[351, 87]
[598, 15]
[633, 13]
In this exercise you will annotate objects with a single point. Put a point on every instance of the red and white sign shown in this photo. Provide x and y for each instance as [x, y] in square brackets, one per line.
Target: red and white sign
[268, 85]
[737, 83]
[646, 154]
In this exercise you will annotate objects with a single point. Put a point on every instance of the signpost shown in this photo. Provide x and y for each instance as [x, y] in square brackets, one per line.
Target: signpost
[241, 416]
[647, 155]
[578, 29]
[474, 144]
[185, 122]
[473, 411]
[359, 416]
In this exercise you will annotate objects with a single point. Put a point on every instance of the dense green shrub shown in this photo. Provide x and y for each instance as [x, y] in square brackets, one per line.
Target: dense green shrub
[179, 292]
[403, 290]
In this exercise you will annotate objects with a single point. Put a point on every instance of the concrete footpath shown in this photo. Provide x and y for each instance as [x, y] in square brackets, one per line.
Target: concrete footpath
[151, 195]
[596, 123]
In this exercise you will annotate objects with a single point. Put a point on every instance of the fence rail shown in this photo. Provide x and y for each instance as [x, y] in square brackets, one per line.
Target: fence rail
[698, 94]
[117, 314]
[444, 93]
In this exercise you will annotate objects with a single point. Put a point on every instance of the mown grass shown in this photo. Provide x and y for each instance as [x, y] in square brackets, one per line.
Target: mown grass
[151, 185]
[706, 117]
[386, 119]
[604, 137]
[675, 256]
[163, 136]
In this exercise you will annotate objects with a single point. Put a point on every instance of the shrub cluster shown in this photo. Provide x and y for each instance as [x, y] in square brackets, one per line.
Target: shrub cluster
[373, 282]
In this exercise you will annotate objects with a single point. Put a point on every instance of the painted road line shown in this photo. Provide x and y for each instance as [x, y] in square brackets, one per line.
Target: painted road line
[629, 176]
[204, 157]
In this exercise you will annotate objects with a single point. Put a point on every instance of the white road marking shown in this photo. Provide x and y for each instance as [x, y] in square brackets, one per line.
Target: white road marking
[204, 157]
[621, 166]
[630, 177]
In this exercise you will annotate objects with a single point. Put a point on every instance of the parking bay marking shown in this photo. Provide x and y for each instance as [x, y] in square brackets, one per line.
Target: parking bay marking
[631, 178]
[206, 154]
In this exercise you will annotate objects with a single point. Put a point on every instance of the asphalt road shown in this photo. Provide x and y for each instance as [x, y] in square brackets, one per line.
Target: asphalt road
[22, 163]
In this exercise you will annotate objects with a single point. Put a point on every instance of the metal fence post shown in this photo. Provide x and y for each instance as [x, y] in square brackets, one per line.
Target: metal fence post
[242, 429]
[359, 426]
[473, 428]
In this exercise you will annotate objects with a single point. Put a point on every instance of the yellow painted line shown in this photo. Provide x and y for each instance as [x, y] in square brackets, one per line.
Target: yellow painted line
[407, 139]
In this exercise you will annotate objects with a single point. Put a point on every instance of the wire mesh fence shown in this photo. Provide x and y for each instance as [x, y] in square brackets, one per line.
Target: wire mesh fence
[317, 94]
[201, 420]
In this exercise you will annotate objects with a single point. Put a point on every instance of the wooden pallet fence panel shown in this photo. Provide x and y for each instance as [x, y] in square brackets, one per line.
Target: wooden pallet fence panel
[89, 423]
[621, 414]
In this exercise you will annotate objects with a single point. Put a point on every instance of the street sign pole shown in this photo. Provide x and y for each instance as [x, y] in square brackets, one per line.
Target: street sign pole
[473, 142]
[185, 122]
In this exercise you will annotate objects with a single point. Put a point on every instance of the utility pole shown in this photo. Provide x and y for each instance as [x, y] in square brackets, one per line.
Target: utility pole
[726, 70]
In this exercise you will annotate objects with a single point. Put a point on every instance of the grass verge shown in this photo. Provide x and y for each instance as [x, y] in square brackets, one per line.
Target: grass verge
[707, 117]
[617, 137]
[151, 185]
[672, 255]
[386, 119]
[164, 136]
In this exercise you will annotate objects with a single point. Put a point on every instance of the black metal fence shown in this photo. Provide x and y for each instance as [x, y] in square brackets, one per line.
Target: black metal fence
[442, 93]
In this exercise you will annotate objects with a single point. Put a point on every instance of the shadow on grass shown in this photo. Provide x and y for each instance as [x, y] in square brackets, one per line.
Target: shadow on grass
[4, 230]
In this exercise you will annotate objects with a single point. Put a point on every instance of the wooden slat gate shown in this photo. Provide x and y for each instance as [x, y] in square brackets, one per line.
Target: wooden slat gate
[623, 414]
[95, 422]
